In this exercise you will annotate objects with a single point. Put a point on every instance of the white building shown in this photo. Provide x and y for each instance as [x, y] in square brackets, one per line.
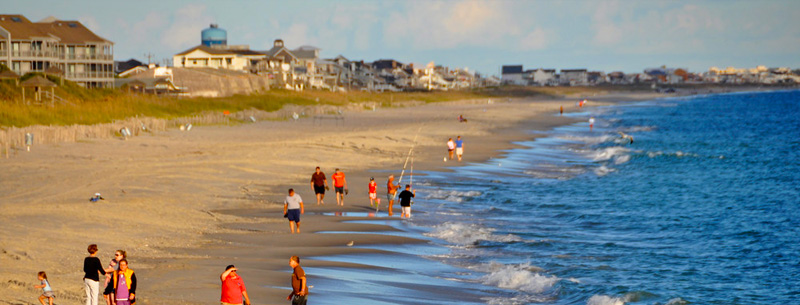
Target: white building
[226, 57]
[512, 75]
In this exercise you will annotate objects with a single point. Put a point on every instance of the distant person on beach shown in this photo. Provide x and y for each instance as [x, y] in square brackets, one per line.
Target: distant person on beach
[340, 184]
[451, 147]
[47, 291]
[461, 118]
[391, 190]
[459, 147]
[292, 208]
[373, 191]
[233, 289]
[591, 123]
[108, 292]
[124, 284]
[405, 201]
[299, 295]
[319, 183]
[92, 269]
[562, 109]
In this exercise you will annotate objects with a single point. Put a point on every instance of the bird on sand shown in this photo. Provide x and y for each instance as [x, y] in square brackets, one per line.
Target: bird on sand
[350, 244]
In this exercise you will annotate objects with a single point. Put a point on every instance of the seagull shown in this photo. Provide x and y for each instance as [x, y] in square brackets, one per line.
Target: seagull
[350, 244]
[626, 136]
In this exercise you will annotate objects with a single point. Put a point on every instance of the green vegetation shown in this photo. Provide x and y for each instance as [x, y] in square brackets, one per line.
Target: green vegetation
[93, 106]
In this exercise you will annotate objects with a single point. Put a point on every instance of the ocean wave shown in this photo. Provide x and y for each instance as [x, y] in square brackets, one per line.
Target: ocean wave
[604, 300]
[522, 277]
[454, 196]
[679, 154]
[603, 170]
[468, 234]
[608, 153]
[639, 128]
[588, 139]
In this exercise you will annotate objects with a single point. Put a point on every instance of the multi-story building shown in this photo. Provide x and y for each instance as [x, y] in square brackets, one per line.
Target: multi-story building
[80, 55]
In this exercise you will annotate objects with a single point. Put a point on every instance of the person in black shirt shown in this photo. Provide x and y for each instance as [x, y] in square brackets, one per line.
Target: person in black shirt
[405, 201]
[91, 279]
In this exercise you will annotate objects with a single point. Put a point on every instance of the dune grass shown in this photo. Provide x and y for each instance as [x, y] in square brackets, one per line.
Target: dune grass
[95, 106]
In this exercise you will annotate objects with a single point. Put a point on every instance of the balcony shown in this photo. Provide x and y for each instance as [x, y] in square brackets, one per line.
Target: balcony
[86, 57]
[88, 75]
[31, 54]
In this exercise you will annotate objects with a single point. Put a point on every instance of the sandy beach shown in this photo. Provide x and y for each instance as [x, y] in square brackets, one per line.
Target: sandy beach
[184, 204]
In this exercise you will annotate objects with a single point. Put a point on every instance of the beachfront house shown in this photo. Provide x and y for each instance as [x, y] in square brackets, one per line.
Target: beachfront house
[573, 77]
[57, 45]
[239, 58]
[512, 75]
[545, 77]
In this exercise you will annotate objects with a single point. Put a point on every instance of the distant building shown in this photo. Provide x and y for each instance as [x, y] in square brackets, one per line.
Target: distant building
[574, 77]
[68, 46]
[545, 77]
[239, 58]
[512, 75]
[122, 66]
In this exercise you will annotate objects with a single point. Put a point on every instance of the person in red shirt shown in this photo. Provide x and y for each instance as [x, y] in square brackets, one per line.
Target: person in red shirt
[373, 191]
[340, 184]
[233, 288]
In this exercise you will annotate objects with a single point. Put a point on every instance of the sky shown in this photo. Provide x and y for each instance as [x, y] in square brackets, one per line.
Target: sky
[612, 35]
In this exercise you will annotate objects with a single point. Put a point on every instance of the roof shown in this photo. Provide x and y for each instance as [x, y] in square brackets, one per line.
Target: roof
[305, 53]
[120, 66]
[67, 32]
[572, 70]
[71, 32]
[220, 51]
[8, 74]
[512, 69]
[37, 81]
[53, 70]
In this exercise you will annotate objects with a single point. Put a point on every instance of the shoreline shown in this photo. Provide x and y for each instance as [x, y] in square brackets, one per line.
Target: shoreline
[183, 231]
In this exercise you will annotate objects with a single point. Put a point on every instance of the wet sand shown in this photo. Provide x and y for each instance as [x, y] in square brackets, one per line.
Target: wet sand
[185, 204]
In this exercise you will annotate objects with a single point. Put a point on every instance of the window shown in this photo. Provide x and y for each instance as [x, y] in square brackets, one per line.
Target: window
[229, 61]
[72, 25]
[16, 19]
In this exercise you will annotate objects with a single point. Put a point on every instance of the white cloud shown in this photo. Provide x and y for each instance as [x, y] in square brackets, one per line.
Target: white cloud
[184, 30]
[446, 24]
[537, 39]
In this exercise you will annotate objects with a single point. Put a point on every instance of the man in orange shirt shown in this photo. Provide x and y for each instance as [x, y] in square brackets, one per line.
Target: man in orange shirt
[340, 184]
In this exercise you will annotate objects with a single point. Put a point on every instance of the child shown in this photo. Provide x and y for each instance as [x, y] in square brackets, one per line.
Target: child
[373, 192]
[109, 290]
[47, 292]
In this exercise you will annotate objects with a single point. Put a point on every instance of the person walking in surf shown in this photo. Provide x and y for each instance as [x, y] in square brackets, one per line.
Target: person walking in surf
[340, 184]
[405, 201]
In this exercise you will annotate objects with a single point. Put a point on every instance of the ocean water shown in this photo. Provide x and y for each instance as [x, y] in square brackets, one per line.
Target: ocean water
[702, 208]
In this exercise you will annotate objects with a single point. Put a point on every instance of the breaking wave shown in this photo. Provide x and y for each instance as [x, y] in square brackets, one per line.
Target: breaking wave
[468, 234]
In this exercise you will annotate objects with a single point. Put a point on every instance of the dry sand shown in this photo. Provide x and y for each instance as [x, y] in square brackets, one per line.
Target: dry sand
[184, 204]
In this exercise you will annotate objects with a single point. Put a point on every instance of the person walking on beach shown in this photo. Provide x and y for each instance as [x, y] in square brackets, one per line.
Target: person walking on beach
[292, 208]
[47, 291]
[451, 146]
[340, 184]
[391, 190]
[92, 269]
[319, 183]
[233, 289]
[124, 284]
[591, 123]
[405, 201]
[299, 295]
[108, 293]
[373, 191]
[459, 147]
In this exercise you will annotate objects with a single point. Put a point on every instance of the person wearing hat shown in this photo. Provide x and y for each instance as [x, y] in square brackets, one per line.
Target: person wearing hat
[233, 288]
[373, 191]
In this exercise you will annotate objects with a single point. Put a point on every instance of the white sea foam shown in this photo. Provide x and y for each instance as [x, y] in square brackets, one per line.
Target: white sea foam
[588, 139]
[608, 153]
[454, 196]
[468, 234]
[639, 128]
[604, 300]
[603, 170]
[622, 159]
[522, 277]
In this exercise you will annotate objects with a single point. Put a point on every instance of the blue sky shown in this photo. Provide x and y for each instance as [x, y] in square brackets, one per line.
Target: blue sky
[481, 35]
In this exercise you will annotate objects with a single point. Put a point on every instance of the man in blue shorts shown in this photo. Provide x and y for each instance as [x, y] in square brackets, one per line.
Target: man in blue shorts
[292, 208]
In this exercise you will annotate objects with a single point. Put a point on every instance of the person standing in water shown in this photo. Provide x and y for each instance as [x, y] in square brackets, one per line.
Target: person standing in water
[591, 123]
[405, 201]
[391, 190]
[373, 191]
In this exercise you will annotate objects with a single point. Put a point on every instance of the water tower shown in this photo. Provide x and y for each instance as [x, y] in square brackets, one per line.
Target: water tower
[214, 36]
